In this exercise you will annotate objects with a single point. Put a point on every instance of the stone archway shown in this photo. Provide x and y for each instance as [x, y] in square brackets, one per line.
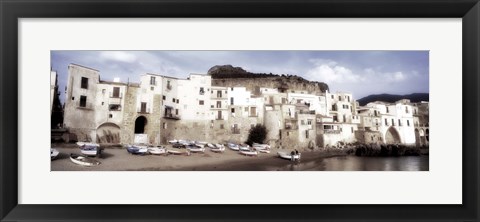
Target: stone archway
[140, 124]
[392, 136]
[108, 133]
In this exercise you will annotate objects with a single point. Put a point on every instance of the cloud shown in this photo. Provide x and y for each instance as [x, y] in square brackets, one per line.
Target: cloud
[120, 56]
[330, 71]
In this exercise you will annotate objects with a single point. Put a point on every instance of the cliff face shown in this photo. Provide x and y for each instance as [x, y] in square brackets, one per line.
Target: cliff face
[230, 76]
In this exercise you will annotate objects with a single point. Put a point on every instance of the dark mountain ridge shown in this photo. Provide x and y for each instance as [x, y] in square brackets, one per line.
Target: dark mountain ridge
[390, 98]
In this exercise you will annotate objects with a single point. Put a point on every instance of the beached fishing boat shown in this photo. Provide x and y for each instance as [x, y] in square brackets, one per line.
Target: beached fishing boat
[244, 147]
[288, 156]
[53, 153]
[259, 146]
[89, 149]
[199, 145]
[83, 160]
[140, 150]
[157, 150]
[218, 149]
[209, 145]
[264, 151]
[173, 141]
[233, 146]
[178, 152]
[249, 153]
[196, 149]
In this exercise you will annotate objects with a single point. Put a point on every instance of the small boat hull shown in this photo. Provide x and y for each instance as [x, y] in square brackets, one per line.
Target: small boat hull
[218, 150]
[249, 153]
[137, 150]
[288, 156]
[194, 149]
[53, 153]
[178, 152]
[157, 151]
[83, 160]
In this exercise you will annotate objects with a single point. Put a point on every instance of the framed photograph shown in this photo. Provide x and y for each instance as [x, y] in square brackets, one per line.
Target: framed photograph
[206, 110]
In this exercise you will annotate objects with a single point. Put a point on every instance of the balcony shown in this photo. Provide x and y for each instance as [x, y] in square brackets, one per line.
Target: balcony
[118, 95]
[143, 111]
[331, 131]
[85, 106]
[171, 116]
[307, 112]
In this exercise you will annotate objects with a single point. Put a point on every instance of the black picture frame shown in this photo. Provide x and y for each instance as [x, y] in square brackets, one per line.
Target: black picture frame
[11, 11]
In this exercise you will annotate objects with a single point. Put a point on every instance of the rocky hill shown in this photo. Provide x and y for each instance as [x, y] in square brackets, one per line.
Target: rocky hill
[229, 76]
[414, 97]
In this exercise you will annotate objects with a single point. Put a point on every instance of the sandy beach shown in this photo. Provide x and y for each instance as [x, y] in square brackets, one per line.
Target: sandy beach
[118, 159]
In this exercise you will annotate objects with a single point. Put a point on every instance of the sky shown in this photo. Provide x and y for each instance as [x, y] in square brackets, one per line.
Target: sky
[361, 73]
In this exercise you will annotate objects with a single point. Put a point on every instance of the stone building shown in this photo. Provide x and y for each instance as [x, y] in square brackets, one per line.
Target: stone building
[394, 122]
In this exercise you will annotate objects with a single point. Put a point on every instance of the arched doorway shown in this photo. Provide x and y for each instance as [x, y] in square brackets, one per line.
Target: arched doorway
[108, 133]
[392, 136]
[140, 124]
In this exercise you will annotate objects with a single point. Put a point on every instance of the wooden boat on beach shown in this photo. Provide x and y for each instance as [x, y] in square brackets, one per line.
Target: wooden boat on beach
[178, 152]
[249, 153]
[244, 147]
[218, 149]
[196, 149]
[89, 149]
[264, 151]
[53, 153]
[157, 150]
[288, 156]
[140, 150]
[233, 146]
[83, 160]
[261, 146]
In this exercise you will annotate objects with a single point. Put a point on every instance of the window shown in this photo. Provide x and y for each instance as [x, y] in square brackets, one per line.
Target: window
[176, 111]
[332, 97]
[387, 110]
[222, 126]
[406, 109]
[335, 119]
[231, 101]
[235, 129]
[219, 94]
[143, 107]
[399, 122]
[348, 97]
[152, 80]
[351, 129]
[306, 134]
[408, 122]
[152, 88]
[375, 112]
[219, 104]
[253, 111]
[302, 122]
[386, 122]
[168, 85]
[73, 98]
[178, 100]
[163, 97]
[200, 102]
[309, 122]
[173, 99]
[103, 91]
[114, 107]
[284, 100]
[110, 115]
[233, 110]
[84, 84]
[83, 101]
[116, 92]
[339, 98]
[202, 91]
[393, 122]
[102, 103]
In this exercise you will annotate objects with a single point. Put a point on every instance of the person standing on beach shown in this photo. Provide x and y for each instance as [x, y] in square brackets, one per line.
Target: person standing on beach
[292, 155]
